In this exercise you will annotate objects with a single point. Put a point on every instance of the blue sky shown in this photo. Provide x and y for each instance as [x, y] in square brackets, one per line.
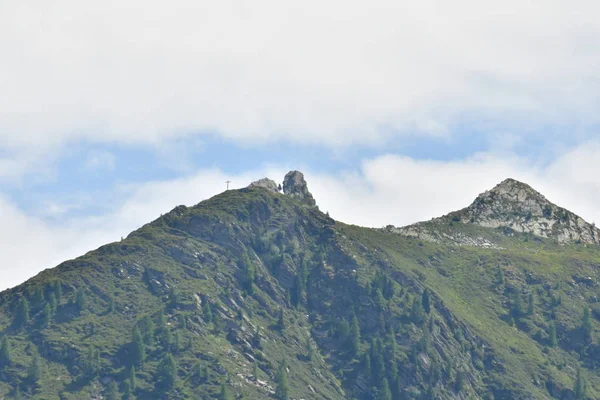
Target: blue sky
[395, 113]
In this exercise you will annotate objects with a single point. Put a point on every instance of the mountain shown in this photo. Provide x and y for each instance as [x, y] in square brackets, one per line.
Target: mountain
[257, 294]
[515, 207]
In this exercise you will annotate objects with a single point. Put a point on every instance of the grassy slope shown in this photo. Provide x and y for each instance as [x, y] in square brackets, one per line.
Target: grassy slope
[117, 271]
[463, 278]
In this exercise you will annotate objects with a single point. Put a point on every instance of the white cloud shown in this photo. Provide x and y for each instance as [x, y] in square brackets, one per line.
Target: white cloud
[32, 244]
[98, 160]
[385, 190]
[400, 190]
[335, 72]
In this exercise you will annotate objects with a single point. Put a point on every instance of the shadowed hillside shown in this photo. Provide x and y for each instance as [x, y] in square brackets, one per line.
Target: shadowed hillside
[257, 294]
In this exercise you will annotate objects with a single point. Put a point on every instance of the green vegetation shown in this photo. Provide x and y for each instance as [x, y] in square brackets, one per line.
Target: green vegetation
[283, 387]
[252, 295]
[580, 385]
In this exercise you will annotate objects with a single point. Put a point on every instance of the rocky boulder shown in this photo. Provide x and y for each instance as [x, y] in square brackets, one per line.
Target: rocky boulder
[265, 183]
[294, 185]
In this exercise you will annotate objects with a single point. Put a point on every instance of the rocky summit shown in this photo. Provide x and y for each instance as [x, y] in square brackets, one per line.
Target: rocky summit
[514, 207]
[255, 294]
[265, 183]
[517, 206]
[294, 185]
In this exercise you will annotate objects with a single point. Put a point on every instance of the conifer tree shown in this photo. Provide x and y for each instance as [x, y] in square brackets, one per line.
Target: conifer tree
[366, 364]
[38, 297]
[377, 361]
[249, 272]
[46, 316]
[530, 304]
[391, 351]
[173, 298]
[586, 326]
[396, 387]
[80, 300]
[167, 372]
[161, 321]
[131, 377]
[52, 302]
[425, 301]
[417, 313]
[460, 381]
[176, 344]
[34, 372]
[388, 288]
[138, 347]
[384, 390]
[430, 394]
[282, 390]
[4, 352]
[517, 306]
[111, 305]
[146, 329]
[22, 316]
[166, 339]
[127, 392]
[112, 393]
[553, 338]
[224, 395]
[354, 339]
[218, 323]
[281, 320]
[299, 290]
[92, 362]
[342, 330]
[500, 277]
[309, 350]
[379, 299]
[58, 291]
[207, 312]
[580, 388]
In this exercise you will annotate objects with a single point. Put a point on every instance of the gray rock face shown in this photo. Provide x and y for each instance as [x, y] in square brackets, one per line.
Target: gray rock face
[294, 185]
[518, 206]
[265, 183]
[511, 204]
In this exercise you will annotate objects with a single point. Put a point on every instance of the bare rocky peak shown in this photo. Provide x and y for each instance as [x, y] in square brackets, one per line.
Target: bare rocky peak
[266, 183]
[517, 206]
[294, 185]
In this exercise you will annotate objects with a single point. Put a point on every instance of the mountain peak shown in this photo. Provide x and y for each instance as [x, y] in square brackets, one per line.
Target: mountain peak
[514, 189]
[294, 185]
[516, 205]
[266, 183]
[513, 206]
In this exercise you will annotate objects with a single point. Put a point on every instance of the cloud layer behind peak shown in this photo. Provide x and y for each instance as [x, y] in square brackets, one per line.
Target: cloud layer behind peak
[333, 72]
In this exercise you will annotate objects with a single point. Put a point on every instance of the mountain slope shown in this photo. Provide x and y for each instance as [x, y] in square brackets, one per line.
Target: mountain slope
[515, 207]
[253, 286]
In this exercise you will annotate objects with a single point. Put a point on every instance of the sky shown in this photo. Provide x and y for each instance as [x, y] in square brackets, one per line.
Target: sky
[112, 113]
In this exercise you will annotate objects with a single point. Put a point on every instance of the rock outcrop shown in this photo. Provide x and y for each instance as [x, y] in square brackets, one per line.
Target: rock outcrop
[512, 205]
[516, 205]
[294, 185]
[265, 183]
